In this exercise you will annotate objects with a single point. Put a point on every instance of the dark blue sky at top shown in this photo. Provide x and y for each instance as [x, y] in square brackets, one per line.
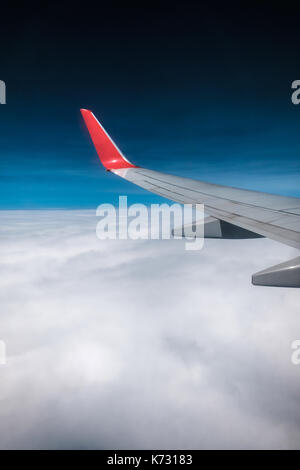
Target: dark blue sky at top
[191, 89]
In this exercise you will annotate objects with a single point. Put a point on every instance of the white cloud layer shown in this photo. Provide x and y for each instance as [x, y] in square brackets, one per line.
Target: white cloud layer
[141, 344]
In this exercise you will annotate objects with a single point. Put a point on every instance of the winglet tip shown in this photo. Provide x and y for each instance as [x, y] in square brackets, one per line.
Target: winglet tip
[109, 154]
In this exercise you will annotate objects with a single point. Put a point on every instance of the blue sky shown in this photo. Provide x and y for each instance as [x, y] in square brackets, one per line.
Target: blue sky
[205, 95]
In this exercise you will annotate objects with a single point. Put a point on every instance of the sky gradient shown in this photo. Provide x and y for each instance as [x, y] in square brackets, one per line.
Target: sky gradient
[193, 91]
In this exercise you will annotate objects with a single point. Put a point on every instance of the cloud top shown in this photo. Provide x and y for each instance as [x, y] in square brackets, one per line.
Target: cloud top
[141, 344]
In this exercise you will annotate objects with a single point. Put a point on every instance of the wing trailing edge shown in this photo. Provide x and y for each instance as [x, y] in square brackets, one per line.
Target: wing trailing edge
[216, 228]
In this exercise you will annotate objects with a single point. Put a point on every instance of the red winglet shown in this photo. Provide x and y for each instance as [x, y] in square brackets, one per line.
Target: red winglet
[109, 154]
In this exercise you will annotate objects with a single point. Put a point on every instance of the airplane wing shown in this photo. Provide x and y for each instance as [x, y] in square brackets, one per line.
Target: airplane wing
[234, 213]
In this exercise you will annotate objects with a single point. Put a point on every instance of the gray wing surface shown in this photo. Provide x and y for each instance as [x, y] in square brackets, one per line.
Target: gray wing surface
[273, 216]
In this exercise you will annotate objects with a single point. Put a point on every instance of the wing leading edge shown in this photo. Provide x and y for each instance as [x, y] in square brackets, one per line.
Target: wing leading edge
[273, 216]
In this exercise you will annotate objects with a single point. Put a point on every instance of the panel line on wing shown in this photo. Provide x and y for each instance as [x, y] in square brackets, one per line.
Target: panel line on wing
[168, 191]
[221, 197]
